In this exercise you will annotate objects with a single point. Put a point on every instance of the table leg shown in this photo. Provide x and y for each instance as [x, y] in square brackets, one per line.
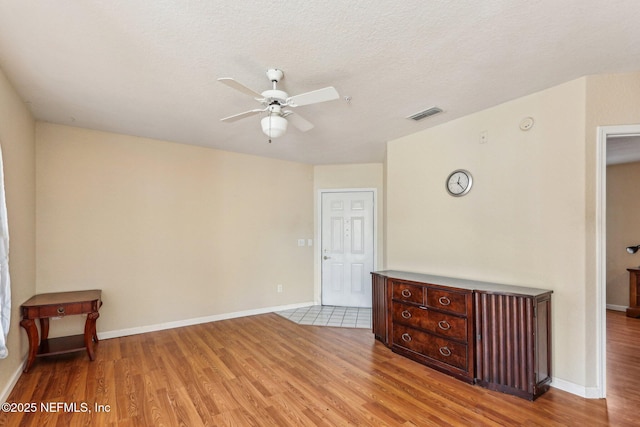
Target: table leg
[32, 333]
[44, 328]
[90, 333]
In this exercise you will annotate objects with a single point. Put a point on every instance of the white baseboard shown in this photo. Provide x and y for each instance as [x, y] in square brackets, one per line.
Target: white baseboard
[616, 307]
[12, 383]
[197, 320]
[578, 390]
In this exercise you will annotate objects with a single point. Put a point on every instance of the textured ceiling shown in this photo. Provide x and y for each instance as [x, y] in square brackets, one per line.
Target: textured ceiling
[149, 67]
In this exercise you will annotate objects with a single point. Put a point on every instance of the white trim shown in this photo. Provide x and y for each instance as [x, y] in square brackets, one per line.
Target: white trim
[616, 307]
[601, 263]
[603, 132]
[197, 321]
[13, 381]
[578, 390]
[317, 292]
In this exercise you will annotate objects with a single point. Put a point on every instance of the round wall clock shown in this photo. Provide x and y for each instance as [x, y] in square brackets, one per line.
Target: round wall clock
[459, 182]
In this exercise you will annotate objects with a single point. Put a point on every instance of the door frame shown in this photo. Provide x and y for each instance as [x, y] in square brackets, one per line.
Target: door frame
[318, 246]
[604, 132]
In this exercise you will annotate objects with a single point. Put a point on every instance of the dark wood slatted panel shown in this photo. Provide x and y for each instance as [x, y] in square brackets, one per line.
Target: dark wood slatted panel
[510, 357]
[379, 319]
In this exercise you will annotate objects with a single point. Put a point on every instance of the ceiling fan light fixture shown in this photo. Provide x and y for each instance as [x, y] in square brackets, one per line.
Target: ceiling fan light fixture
[274, 126]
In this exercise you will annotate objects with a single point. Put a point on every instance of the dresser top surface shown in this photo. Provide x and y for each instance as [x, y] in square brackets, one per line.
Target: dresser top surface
[474, 285]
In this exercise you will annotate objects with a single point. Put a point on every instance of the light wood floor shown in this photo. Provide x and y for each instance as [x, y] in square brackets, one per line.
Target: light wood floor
[267, 371]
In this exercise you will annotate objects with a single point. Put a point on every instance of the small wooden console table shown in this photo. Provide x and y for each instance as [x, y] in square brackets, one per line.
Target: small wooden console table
[57, 304]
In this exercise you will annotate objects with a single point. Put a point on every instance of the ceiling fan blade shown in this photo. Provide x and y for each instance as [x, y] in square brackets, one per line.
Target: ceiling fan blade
[321, 95]
[239, 86]
[298, 121]
[236, 117]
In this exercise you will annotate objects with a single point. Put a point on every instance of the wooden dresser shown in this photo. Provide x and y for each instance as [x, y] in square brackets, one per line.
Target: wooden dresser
[497, 336]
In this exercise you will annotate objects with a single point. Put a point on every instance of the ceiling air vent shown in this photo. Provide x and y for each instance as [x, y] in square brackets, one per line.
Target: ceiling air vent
[424, 114]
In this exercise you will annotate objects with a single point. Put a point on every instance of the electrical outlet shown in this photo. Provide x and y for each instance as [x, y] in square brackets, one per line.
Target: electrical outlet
[300, 242]
[279, 288]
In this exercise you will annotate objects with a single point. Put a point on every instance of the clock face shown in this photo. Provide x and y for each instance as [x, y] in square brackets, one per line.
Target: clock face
[459, 182]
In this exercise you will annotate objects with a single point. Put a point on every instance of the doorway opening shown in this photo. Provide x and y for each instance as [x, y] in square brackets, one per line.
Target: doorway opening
[605, 133]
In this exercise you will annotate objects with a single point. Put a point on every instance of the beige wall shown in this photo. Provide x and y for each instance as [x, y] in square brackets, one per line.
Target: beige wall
[612, 99]
[349, 176]
[18, 149]
[623, 229]
[523, 223]
[169, 232]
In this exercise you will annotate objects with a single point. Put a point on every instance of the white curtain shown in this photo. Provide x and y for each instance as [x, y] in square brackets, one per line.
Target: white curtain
[5, 282]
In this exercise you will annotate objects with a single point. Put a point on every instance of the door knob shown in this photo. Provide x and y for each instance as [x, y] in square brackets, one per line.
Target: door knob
[326, 257]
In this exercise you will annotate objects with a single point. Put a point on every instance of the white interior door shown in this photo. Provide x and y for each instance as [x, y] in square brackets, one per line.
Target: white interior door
[347, 248]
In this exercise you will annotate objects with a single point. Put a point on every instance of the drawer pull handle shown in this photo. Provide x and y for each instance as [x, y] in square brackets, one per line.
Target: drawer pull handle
[406, 314]
[60, 310]
[445, 351]
[406, 337]
[406, 293]
[444, 325]
[444, 300]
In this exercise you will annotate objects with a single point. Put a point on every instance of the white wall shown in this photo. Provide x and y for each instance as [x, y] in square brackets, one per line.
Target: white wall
[523, 223]
[169, 232]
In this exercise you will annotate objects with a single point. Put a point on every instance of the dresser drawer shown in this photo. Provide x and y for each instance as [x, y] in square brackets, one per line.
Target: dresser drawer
[439, 323]
[441, 349]
[454, 302]
[406, 292]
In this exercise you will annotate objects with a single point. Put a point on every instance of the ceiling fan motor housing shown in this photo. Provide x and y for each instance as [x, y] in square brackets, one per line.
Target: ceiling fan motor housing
[274, 95]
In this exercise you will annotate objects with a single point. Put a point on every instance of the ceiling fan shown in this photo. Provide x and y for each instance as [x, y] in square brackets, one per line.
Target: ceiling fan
[274, 102]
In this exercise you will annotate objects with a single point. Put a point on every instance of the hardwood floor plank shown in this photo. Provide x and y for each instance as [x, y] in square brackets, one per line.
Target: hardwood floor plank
[267, 371]
[286, 407]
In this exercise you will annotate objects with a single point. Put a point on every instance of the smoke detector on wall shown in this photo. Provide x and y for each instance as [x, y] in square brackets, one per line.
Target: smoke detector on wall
[526, 123]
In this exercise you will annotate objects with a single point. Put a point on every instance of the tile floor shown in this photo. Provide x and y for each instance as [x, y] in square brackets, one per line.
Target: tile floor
[327, 315]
